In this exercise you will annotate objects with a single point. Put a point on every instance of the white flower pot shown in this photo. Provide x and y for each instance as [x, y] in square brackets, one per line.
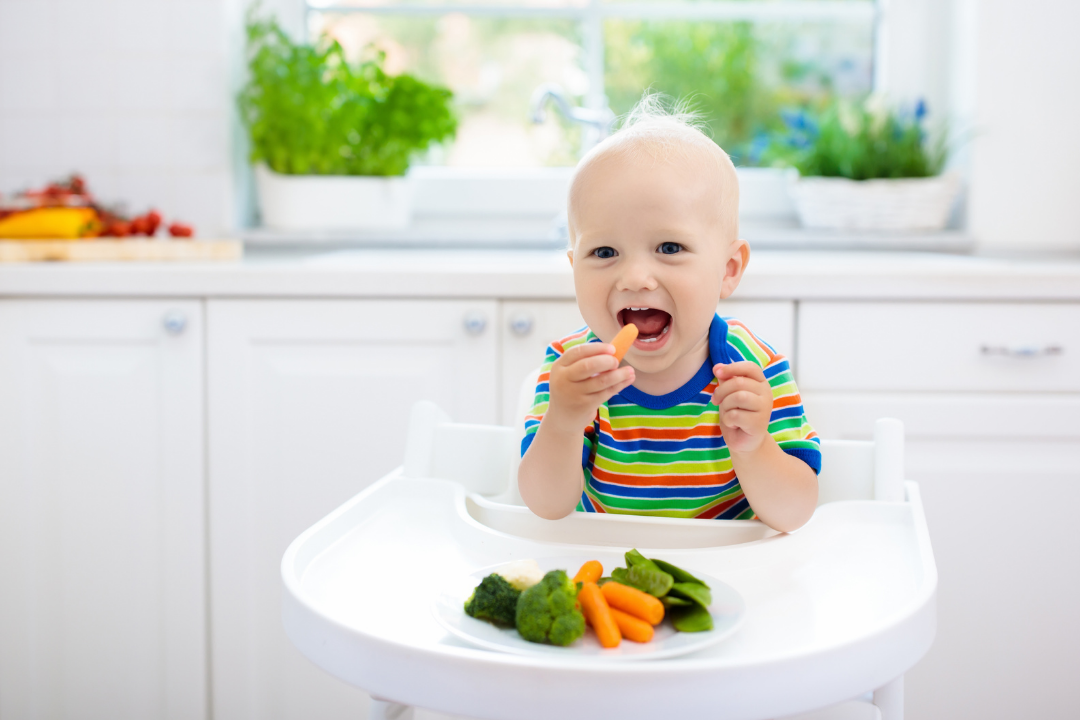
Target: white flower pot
[832, 203]
[332, 202]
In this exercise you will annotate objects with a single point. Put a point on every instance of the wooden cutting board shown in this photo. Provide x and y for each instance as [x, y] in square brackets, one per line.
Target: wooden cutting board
[109, 250]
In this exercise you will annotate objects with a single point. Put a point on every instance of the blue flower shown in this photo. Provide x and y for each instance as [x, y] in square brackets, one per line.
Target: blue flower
[920, 110]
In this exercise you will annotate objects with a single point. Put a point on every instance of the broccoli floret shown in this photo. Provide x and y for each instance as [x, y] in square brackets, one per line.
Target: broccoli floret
[548, 613]
[494, 600]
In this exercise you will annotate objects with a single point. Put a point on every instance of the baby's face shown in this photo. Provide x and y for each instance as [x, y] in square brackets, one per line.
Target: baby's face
[649, 248]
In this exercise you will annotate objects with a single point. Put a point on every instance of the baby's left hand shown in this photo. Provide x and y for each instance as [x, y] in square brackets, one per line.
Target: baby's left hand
[745, 401]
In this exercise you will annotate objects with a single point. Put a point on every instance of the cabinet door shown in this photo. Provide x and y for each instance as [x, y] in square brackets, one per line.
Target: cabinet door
[102, 554]
[309, 402]
[529, 327]
[999, 475]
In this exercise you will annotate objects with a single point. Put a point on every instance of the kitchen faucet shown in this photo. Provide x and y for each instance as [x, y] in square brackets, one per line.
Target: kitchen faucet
[597, 121]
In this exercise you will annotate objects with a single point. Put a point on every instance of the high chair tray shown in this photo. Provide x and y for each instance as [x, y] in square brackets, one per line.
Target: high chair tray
[841, 607]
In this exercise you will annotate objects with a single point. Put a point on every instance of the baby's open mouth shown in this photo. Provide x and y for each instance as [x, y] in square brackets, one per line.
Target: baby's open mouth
[651, 323]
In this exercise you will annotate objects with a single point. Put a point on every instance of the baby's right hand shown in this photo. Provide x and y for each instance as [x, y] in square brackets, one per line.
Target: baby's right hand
[583, 379]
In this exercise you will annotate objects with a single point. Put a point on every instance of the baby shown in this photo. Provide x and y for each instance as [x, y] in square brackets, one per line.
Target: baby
[703, 418]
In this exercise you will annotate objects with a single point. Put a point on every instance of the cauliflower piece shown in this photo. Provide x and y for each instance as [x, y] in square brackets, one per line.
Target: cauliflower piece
[522, 574]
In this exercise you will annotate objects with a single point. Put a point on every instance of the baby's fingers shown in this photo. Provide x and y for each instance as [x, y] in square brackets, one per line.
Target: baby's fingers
[590, 367]
[585, 350]
[739, 369]
[618, 378]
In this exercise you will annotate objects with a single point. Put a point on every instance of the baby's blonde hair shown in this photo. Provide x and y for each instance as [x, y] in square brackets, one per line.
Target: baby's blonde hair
[660, 130]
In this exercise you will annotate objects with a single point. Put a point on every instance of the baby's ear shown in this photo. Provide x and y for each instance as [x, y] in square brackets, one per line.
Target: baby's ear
[570, 256]
[737, 260]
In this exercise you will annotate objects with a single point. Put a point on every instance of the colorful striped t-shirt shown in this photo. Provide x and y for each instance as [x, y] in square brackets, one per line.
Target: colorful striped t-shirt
[664, 455]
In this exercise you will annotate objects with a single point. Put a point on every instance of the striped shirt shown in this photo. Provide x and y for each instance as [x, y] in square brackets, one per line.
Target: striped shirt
[665, 455]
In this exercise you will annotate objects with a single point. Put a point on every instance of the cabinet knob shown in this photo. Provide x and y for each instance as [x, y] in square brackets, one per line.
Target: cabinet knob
[174, 322]
[521, 324]
[475, 323]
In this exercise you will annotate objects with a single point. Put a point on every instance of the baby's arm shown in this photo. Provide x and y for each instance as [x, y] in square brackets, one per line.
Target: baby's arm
[550, 478]
[781, 488]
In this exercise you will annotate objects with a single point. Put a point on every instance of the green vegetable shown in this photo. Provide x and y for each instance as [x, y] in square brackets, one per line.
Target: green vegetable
[693, 591]
[643, 574]
[547, 612]
[693, 618]
[652, 580]
[678, 573]
[494, 600]
[633, 557]
[685, 597]
[310, 112]
[670, 601]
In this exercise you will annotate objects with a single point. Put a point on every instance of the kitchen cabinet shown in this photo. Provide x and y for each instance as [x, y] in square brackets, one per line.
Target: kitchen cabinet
[309, 402]
[102, 506]
[528, 327]
[989, 398]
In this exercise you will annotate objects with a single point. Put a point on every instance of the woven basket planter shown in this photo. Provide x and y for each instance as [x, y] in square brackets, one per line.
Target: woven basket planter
[831, 203]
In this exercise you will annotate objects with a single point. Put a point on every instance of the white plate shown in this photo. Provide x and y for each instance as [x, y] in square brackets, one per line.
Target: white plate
[727, 610]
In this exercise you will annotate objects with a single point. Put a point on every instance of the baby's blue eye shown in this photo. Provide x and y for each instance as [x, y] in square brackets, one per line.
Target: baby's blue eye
[670, 248]
[604, 253]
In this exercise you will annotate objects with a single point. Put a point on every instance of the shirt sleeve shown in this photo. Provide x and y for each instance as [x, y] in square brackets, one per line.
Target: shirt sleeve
[540, 405]
[787, 423]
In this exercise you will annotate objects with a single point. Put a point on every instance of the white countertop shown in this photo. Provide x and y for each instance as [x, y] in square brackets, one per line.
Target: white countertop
[539, 274]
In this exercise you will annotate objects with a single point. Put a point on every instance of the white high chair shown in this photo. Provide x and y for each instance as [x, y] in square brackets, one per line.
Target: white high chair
[847, 606]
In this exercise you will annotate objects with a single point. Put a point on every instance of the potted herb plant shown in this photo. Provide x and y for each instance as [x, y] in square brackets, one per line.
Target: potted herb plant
[332, 140]
[865, 167]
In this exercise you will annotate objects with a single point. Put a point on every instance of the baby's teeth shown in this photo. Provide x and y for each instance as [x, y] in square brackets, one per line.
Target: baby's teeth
[665, 329]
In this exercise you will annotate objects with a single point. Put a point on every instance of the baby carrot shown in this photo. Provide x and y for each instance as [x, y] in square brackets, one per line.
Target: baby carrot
[631, 627]
[624, 340]
[631, 600]
[597, 612]
[589, 572]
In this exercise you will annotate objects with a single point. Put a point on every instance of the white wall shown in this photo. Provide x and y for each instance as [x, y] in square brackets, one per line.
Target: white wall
[1025, 158]
[133, 94]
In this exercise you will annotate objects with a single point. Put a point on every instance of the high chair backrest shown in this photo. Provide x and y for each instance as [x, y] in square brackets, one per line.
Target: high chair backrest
[850, 469]
[480, 457]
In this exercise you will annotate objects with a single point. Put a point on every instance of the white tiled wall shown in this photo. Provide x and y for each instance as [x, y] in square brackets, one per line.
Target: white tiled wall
[134, 94]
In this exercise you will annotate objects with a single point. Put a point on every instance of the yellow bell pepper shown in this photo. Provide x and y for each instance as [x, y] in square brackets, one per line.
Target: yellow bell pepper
[51, 223]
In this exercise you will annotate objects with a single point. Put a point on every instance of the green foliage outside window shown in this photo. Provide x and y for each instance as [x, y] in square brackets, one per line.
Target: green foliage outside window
[309, 111]
[736, 80]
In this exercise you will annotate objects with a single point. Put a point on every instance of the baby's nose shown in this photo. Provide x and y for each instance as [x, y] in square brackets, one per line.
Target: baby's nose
[637, 276]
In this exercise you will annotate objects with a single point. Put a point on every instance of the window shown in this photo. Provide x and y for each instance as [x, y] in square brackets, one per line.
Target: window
[738, 61]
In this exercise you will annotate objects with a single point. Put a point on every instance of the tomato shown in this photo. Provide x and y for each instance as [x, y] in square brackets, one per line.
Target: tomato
[140, 225]
[181, 230]
[153, 219]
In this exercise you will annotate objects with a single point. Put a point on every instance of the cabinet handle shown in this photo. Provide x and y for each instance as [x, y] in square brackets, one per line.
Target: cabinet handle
[1021, 351]
[174, 322]
[521, 324]
[475, 323]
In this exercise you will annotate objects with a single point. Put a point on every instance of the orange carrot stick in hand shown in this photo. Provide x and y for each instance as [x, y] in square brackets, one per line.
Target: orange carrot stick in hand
[598, 614]
[630, 600]
[624, 340]
[631, 627]
[589, 572]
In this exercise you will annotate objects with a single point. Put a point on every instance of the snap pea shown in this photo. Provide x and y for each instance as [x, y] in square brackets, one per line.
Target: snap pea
[653, 581]
[678, 573]
[692, 591]
[693, 618]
